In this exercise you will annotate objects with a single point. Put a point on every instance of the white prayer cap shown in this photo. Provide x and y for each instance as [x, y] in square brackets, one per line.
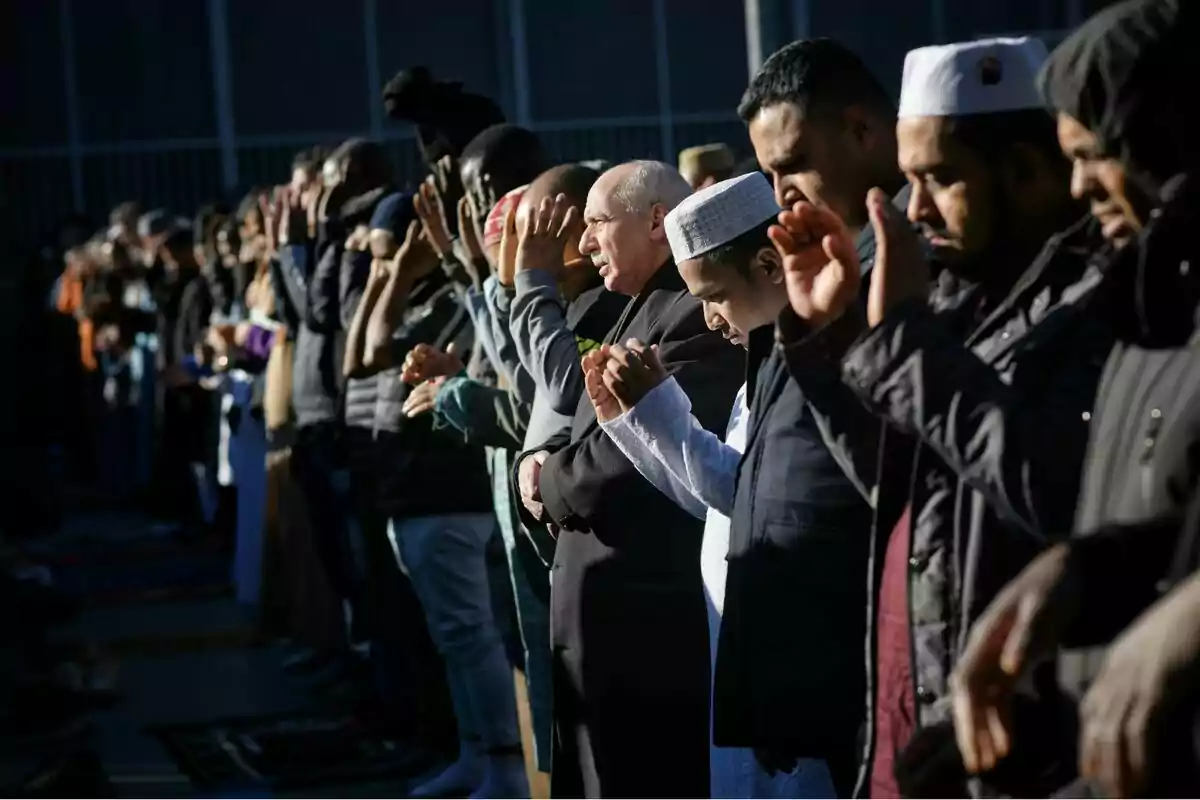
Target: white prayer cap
[718, 214]
[980, 77]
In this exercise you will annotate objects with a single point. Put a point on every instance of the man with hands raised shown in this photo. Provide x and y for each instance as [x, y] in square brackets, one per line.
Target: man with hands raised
[784, 549]
[970, 368]
[628, 625]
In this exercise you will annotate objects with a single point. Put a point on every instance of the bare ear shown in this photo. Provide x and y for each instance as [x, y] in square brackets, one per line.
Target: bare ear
[658, 215]
[771, 263]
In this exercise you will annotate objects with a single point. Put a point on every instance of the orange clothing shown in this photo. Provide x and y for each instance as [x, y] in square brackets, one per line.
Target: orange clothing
[70, 301]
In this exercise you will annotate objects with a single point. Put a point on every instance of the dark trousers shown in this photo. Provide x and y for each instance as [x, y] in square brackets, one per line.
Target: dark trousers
[316, 464]
[185, 427]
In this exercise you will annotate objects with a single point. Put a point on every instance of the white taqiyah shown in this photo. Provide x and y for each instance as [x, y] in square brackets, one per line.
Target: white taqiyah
[980, 77]
[718, 214]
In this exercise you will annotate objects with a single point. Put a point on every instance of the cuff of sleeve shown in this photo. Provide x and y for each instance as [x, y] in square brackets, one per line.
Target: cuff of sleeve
[666, 402]
[554, 502]
[504, 298]
[830, 343]
[532, 280]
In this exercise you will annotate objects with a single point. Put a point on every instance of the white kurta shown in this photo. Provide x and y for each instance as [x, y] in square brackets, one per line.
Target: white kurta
[699, 471]
[693, 467]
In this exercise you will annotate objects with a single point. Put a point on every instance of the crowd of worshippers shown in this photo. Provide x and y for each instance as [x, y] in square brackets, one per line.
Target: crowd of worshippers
[905, 412]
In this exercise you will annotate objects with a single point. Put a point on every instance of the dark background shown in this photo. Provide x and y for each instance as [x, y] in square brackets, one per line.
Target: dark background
[104, 100]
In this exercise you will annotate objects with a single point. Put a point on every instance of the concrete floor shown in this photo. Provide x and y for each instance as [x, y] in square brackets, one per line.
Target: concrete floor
[180, 661]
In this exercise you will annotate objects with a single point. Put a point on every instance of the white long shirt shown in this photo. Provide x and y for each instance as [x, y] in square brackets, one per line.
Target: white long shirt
[693, 467]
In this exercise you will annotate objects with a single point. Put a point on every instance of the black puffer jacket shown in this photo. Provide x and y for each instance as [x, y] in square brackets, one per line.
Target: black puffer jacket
[313, 291]
[968, 407]
[426, 469]
[361, 393]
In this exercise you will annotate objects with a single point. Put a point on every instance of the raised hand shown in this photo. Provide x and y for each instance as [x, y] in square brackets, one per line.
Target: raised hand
[416, 257]
[432, 213]
[604, 402]
[506, 266]
[820, 263]
[425, 362]
[545, 234]
[468, 231]
[630, 372]
[447, 181]
[901, 272]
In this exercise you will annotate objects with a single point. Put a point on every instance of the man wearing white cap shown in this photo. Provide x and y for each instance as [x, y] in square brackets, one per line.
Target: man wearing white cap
[981, 378]
[782, 517]
[628, 624]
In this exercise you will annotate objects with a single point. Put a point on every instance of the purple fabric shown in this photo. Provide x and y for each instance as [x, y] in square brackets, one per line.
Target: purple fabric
[259, 342]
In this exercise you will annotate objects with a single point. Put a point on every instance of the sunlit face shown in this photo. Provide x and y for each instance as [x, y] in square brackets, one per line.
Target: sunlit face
[624, 245]
[737, 300]
[810, 159]
[1101, 179]
[954, 193]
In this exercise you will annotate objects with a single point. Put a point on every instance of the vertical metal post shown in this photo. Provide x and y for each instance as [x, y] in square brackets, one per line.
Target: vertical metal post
[801, 20]
[937, 17]
[520, 62]
[754, 36]
[374, 82]
[218, 31]
[666, 117]
[71, 98]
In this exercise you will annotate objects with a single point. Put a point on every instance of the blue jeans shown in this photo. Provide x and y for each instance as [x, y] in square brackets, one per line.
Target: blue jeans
[444, 557]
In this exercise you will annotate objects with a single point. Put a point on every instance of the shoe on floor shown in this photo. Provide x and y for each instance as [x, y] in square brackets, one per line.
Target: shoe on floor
[503, 777]
[460, 779]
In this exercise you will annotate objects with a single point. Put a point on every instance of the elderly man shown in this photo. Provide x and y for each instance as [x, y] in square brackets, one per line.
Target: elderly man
[628, 621]
[971, 373]
[785, 526]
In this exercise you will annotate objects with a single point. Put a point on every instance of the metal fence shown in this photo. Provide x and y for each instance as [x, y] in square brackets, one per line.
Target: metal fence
[183, 174]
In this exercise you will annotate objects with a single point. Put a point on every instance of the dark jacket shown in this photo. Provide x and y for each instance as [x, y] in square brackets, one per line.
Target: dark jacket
[426, 468]
[185, 305]
[628, 618]
[1143, 460]
[361, 393]
[313, 292]
[789, 673]
[968, 407]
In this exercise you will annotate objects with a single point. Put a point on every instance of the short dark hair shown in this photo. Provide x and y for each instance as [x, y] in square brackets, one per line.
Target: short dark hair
[991, 135]
[739, 251]
[514, 152]
[573, 180]
[816, 75]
